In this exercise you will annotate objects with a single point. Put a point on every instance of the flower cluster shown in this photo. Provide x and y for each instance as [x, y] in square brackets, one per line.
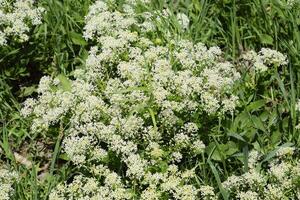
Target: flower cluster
[130, 119]
[90, 188]
[291, 3]
[16, 18]
[7, 179]
[279, 181]
[183, 20]
[265, 58]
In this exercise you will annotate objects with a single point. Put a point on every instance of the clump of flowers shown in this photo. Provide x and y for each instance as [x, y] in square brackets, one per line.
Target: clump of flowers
[16, 18]
[90, 188]
[261, 61]
[7, 179]
[290, 3]
[130, 120]
[280, 180]
[183, 20]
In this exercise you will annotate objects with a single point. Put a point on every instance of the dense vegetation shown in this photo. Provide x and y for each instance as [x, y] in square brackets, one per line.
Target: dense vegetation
[185, 99]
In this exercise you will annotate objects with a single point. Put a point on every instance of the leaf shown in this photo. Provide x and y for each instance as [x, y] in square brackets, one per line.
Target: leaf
[246, 155]
[152, 117]
[275, 137]
[216, 155]
[221, 151]
[237, 136]
[15, 51]
[256, 105]
[258, 123]
[231, 148]
[27, 91]
[65, 82]
[266, 39]
[213, 152]
[250, 133]
[272, 118]
[283, 90]
[272, 154]
[163, 165]
[241, 121]
[264, 116]
[217, 177]
[64, 156]
[77, 39]
[256, 146]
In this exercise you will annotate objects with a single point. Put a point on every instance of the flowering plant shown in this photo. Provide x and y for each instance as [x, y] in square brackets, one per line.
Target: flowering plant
[7, 179]
[136, 121]
[16, 18]
[280, 179]
[132, 117]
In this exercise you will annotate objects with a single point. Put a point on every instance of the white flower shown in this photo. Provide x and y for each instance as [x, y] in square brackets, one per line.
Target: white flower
[16, 19]
[207, 191]
[249, 195]
[155, 150]
[7, 179]
[136, 166]
[77, 147]
[150, 194]
[198, 146]
[177, 156]
[253, 159]
[280, 170]
[282, 151]
[292, 3]
[88, 188]
[183, 20]
[298, 105]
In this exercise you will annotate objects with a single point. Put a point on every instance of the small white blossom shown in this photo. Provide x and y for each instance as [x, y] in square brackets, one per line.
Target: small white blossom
[183, 20]
[16, 19]
[7, 179]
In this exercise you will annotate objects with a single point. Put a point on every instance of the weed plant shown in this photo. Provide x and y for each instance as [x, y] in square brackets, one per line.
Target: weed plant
[257, 138]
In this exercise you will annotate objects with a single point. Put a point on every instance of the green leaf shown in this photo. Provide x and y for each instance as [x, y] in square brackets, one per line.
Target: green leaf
[256, 105]
[216, 155]
[152, 117]
[257, 122]
[213, 152]
[231, 148]
[241, 121]
[163, 165]
[237, 136]
[64, 156]
[65, 82]
[272, 154]
[15, 51]
[272, 118]
[245, 157]
[264, 116]
[275, 137]
[250, 133]
[217, 177]
[283, 90]
[77, 39]
[27, 91]
[266, 39]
